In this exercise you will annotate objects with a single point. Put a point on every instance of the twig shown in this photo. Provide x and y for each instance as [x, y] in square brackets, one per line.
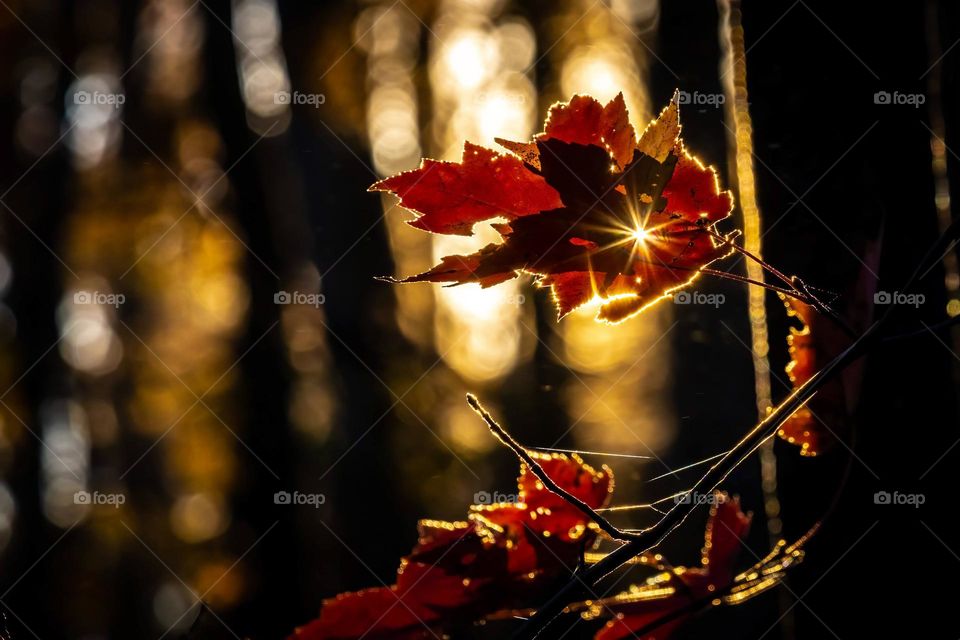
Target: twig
[760, 261]
[648, 539]
[797, 288]
[793, 293]
[696, 605]
[827, 311]
[574, 589]
[537, 470]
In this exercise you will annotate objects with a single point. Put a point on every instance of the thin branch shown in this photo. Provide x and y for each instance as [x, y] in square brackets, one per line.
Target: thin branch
[826, 310]
[798, 289]
[537, 470]
[650, 538]
[695, 605]
[793, 293]
[760, 261]
[574, 589]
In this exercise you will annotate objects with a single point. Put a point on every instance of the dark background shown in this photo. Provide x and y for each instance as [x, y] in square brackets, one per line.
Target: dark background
[833, 168]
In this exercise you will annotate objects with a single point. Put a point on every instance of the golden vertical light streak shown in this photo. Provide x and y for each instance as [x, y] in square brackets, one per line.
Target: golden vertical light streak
[389, 34]
[262, 66]
[479, 71]
[477, 76]
[312, 406]
[734, 69]
[622, 375]
[147, 323]
[601, 56]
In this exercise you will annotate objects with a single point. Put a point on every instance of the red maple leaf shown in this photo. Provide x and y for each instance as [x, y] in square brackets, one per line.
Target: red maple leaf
[811, 345]
[817, 425]
[585, 207]
[668, 593]
[504, 555]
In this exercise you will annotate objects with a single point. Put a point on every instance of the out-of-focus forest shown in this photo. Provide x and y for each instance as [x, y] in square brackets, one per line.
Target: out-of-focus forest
[191, 328]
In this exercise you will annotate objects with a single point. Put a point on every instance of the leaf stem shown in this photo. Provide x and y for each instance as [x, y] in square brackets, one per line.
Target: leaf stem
[797, 288]
[760, 261]
[537, 470]
[793, 293]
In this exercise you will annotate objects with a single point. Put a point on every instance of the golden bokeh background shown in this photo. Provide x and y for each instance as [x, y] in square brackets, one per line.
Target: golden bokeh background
[191, 325]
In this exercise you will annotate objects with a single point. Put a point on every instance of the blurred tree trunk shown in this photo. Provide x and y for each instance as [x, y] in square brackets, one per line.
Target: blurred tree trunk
[32, 222]
[256, 177]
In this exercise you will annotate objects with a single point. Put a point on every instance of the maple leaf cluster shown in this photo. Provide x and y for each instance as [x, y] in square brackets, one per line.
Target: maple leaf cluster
[507, 557]
[502, 556]
[671, 594]
[587, 208]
